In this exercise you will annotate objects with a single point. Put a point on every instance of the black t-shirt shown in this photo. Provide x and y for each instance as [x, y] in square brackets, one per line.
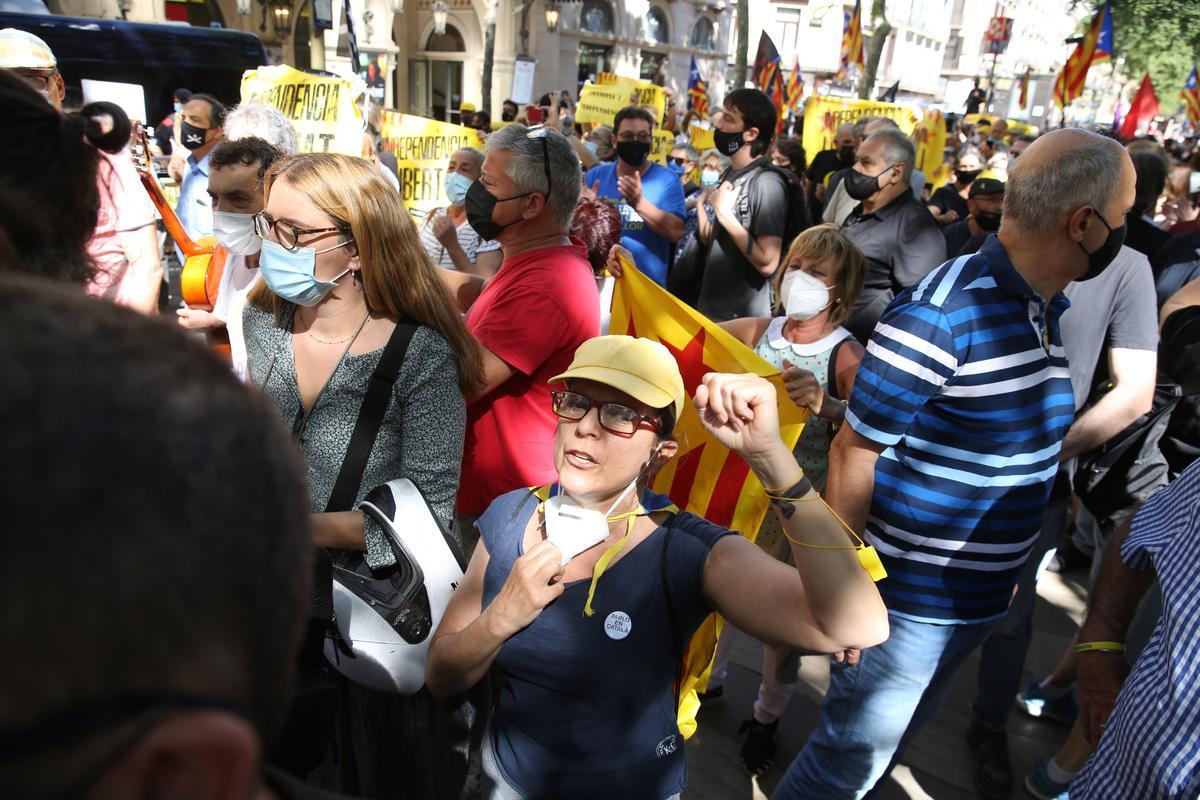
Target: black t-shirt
[947, 198]
[901, 243]
[1144, 236]
[731, 286]
[825, 162]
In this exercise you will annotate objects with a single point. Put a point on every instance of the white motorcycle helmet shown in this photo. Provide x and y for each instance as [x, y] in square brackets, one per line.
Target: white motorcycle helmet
[387, 617]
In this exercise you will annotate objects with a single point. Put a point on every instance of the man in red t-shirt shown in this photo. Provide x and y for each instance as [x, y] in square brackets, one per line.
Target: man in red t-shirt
[529, 318]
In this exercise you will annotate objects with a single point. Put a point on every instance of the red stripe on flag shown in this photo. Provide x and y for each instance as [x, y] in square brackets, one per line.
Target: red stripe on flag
[728, 490]
[685, 477]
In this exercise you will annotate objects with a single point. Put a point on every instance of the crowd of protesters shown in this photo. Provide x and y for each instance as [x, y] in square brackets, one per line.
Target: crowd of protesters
[995, 370]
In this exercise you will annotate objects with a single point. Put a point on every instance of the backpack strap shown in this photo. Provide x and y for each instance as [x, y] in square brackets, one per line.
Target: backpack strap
[831, 387]
[370, 418]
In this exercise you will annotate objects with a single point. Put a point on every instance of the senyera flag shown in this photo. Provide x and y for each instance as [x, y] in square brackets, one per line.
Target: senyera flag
[697, 91]
[1096, 48]
[705, 478]
[1191, 97]
[852, 41]
[795, 87]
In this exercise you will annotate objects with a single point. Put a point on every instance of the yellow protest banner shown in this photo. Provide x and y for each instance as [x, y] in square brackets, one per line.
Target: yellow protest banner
[422, 148]
[702, 138]
[1015, 127]
[599, 104]
[322, 110]
[930, 139]
[823, 115]
[648, 94]
[664, 142]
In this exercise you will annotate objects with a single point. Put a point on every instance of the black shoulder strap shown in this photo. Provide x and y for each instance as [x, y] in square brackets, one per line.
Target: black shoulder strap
[370, 418]
[831, 387]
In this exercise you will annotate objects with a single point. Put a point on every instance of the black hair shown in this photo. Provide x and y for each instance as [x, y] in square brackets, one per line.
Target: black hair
[757, 111]
[247, 151]
[182, 95]
[666, 416]
[1152, 167]
[794, 151]
[632, 112]
[49, 166]
[216, 109]
[510, 102]
[483, 115]
[157, 522]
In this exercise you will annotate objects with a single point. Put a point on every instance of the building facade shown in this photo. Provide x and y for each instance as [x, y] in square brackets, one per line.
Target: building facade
[410, 65]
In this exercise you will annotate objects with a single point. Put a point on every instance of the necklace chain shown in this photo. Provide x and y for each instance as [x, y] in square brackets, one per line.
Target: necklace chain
[353, 335]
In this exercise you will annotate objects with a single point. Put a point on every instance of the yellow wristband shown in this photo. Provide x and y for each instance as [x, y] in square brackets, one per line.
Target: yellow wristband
[1100, 647]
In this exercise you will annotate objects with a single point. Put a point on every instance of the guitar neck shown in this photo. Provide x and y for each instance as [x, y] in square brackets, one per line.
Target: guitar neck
[170, 219]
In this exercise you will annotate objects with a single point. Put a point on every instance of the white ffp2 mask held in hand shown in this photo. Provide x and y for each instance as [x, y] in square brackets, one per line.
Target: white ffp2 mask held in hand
[236, 233]
[803, 295]
[572, 528]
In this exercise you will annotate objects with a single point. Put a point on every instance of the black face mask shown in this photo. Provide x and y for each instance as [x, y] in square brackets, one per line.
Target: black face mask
[507, 116]
[633, 153]
[860, 186]
[192, 137]
[1102, 256]
[481, 204]
[727, 143]
[846, 155]
[967, 175]
[988, 220]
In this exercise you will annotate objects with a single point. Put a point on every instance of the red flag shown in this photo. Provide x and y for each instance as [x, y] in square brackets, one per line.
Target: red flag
[1143, 109]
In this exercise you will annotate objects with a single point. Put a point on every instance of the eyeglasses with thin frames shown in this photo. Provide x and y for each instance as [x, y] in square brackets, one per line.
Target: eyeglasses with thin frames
[287, 234]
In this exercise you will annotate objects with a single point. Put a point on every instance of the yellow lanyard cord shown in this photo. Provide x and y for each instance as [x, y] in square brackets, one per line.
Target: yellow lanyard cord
[602, 563]
[868, 557]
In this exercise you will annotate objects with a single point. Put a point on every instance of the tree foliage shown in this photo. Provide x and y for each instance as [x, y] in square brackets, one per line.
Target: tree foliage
[1161, 37]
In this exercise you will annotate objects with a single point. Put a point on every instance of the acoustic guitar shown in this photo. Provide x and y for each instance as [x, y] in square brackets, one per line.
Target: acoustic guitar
[204, 260]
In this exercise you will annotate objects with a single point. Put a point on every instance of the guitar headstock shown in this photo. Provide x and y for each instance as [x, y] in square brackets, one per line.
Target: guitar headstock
[139, 149]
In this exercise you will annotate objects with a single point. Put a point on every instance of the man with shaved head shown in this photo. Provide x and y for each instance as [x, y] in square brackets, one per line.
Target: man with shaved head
[951, 443]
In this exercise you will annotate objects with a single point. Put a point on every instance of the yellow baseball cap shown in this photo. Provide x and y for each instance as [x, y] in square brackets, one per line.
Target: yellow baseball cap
[987, 182]
[642, 369]
[22, 50]
[466, 107]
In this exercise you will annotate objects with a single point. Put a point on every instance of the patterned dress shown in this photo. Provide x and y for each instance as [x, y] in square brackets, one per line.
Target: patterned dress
[812, 449]
[386, 745]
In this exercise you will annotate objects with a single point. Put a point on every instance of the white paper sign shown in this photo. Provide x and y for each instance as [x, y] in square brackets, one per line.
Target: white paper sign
[131, 97]
[522, 85]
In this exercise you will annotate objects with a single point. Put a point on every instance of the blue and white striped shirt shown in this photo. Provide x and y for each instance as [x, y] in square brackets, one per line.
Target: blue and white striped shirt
[965, 383]
[1151, 748]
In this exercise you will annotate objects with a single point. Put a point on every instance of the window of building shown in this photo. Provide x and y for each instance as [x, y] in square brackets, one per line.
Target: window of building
[908, 36]
[596, 16]
[652, 67]
[656, 27]
[704, 35]
[787, 23]
[449, 42]
[593, 59]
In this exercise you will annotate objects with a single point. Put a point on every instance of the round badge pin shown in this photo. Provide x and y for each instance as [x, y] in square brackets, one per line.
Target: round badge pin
[618, 625]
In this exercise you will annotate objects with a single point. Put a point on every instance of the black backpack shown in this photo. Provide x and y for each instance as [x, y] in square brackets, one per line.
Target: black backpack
[1179, 359]
[798, 218]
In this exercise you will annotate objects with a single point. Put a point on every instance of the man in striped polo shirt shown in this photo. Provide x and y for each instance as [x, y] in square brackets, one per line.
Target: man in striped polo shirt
[951, 443]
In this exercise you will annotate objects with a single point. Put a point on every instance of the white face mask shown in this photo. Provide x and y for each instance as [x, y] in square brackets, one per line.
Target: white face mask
[236, 233]
[803, 295]
[572, 528]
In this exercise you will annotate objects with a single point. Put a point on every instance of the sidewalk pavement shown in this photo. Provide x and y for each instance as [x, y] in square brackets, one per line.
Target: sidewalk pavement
[936, 765]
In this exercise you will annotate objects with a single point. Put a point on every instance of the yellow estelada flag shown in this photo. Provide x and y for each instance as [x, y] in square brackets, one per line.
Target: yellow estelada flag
[705, 478]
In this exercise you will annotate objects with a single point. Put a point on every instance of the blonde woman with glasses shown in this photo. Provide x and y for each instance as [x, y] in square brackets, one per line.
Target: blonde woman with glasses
[342, 266]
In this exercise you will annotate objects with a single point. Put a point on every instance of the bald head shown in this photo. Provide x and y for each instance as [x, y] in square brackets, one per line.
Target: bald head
[844, 136]
[1063, 170]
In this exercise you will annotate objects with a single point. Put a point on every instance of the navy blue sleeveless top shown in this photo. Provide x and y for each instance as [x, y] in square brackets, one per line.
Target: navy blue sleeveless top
[586, 705]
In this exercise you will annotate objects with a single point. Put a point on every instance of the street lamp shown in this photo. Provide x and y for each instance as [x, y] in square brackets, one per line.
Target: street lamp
[552, 12]
[281, 17]
[440, 12]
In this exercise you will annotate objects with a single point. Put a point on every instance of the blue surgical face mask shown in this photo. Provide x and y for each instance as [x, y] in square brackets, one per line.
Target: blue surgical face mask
[290, 275]
[178, 107]
[710, 178]
[591, 146]
[676, 168]
[456, 188]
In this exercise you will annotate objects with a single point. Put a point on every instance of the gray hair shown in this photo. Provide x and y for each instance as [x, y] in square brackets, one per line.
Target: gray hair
[897, 148]
[528, 171]
[265, 122]
[1037, 199]
[691, 153]
[721, 157]
[475, 151]
[862, 123]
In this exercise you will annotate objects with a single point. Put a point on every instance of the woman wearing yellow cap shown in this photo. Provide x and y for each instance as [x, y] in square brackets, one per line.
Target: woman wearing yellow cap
[584, 594]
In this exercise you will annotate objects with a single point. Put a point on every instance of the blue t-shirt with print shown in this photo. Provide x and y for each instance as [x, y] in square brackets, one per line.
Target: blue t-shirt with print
[660, 187]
